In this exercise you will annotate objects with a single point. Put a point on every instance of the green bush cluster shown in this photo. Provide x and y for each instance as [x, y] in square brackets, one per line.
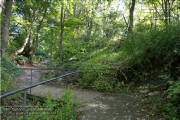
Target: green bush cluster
[86, 78]
[9, 71]
[150, 48]
[102, 84]
[62, 109]
[169, 106]
[157, 45]
[173, 107]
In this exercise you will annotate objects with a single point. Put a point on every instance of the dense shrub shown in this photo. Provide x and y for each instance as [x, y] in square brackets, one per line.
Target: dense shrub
[62, 109]
[147, 55]
[8, 73]
[155, 45]
[173, 107]
[102, 84]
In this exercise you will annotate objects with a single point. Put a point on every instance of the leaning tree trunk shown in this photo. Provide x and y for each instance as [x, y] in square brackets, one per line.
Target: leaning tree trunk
[131, 15]
[20, 50]
[5, 25]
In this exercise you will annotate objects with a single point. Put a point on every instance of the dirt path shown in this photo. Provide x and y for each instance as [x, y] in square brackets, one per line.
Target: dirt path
[109, 106]
[93, 105]
[25, 79]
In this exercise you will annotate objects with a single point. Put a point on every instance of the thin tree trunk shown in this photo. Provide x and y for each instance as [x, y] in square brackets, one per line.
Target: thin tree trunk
[5, 25]
[169, 11]
[131, 15]
[125, 22]
[166, 12]
[74, 12]
[61, 34]
[89, 27]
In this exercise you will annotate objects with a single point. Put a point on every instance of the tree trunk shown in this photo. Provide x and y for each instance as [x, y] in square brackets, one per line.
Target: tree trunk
[166, 6]
[74, 12]
[35, 45]
[89, 27]
[125, 22]
[5, 25]
[61, 34]
[1, 5]
[24, 44]
[166, 12]
[169, 11]
[131, 15]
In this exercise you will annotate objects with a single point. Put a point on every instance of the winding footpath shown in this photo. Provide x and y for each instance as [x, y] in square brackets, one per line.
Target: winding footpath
[93, 105]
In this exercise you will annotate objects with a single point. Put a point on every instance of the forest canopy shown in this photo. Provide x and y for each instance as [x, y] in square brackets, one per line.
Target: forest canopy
[81, 26]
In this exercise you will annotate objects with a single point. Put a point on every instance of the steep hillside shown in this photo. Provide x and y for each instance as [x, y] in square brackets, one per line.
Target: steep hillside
[144, 61]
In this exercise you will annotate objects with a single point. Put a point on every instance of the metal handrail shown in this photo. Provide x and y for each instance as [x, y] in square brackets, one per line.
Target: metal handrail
[32, 86]
[67, 69]
[26, 88]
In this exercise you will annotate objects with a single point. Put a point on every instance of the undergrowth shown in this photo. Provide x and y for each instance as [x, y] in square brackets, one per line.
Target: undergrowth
[62, 109]
[141, 57]
[9, 71]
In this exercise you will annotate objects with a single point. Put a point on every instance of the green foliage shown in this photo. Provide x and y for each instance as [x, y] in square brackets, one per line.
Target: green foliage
[148, 50]
[87, 78]
[169, 107]
[41, 52]
[102, 84]
[171, 111]
[172, 107]
[12, 47]
[68, 107]
[9, 71]
[138, 49]
[160, 45]
[91, 36]
[157, 104]
[174, 90]
[5, 84]
[21, 57]
[156, 49]
[73, 22]
[62, 109]
[122, 87]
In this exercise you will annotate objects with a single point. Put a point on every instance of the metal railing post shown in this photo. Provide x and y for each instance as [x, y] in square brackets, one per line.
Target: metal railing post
[41, 75]
[24, 106]
[31, 81]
